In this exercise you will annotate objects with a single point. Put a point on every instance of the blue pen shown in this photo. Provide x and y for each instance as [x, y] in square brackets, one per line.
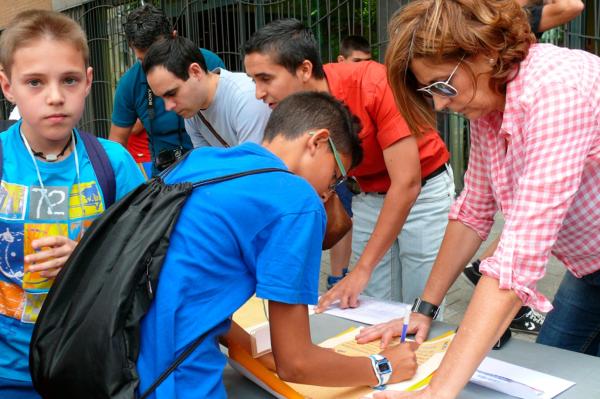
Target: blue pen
[405, 323]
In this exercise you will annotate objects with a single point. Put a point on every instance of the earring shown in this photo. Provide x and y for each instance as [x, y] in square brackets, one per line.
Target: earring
[492, 61]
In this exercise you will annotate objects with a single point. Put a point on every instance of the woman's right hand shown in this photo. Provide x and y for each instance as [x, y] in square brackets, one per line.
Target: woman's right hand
[419, 325]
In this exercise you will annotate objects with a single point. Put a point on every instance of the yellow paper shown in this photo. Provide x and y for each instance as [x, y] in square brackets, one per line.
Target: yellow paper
[429, 356]
[253, 313]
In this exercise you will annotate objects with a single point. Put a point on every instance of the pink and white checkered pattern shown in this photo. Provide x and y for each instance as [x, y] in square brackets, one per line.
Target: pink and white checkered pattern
[539, 164]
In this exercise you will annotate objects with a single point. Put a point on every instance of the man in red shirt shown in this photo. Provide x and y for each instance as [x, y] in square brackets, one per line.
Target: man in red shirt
[395, 246]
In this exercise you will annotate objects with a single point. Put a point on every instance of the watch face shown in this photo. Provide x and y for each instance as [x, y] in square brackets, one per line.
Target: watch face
[383, 367]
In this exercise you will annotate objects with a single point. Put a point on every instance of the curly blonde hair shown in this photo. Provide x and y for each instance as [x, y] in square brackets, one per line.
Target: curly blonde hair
[446, 31]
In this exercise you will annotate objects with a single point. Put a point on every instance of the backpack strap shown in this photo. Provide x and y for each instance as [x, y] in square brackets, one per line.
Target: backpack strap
[238, 175]
[102, 167]
[190, 349]
[4, 125]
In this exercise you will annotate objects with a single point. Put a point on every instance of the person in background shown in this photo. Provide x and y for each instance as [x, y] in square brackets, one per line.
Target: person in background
[407, 186]
[527, 320]
[548, 14]
[219, 106]
[49, 193]
[135, 100]
[354, 49]
[139, 148]
[534, 111]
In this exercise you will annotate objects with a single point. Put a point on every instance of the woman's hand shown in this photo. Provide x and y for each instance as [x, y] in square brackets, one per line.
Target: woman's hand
[384, 331]
[55, 250]
[419, 325]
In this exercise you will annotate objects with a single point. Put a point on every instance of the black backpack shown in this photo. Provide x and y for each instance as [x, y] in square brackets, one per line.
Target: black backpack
[85, 343]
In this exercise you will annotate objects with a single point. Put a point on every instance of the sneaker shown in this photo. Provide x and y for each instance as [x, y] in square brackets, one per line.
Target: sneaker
[530, 322]
[333, 280]
[471, 272]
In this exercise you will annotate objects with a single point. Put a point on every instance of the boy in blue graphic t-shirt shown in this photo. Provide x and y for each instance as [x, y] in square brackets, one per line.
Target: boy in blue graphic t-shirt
[49, 193]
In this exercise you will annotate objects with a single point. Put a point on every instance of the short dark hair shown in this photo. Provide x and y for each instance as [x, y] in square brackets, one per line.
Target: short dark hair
[145, 25]
[289, 43]
[354, 43]
[175, 54]
[310, 110]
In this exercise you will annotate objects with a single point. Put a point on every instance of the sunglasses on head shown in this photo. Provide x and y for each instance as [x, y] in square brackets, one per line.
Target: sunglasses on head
[442, 88]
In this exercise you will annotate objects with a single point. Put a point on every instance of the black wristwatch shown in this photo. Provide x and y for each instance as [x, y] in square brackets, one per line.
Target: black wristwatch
[425, 308]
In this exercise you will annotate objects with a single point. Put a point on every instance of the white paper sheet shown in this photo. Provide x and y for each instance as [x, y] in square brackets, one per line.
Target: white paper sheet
[369, 311]
[518, 381]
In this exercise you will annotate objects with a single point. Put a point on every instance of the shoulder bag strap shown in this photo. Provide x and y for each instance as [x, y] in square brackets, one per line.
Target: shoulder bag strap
[102, 167]
[212, 130]
[190, 349]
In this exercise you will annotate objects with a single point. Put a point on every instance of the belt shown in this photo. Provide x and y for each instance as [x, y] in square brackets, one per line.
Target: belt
[433, 174]
[424, 181]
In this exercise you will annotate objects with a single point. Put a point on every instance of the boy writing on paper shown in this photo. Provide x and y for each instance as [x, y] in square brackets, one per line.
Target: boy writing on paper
[260, 234]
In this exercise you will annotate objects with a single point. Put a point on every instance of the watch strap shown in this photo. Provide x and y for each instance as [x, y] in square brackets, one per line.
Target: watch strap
[425, 308]
[382, 377]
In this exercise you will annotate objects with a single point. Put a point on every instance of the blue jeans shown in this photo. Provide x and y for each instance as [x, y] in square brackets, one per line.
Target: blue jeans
[574, 323]
[403, 271]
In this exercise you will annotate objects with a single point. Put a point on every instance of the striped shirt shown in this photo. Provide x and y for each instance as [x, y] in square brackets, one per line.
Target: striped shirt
[538, 163]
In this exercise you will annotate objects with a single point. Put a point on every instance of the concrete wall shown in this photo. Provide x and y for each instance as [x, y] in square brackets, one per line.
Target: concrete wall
[10, 8]
[60, 5]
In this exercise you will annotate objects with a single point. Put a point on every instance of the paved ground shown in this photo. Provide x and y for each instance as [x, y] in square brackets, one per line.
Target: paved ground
[460, 293]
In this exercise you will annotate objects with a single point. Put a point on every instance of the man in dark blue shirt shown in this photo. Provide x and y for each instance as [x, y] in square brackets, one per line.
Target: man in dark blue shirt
[135, 106]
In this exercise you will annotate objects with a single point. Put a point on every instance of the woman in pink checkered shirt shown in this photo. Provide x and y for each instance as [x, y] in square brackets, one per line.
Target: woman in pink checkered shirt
[535, 157]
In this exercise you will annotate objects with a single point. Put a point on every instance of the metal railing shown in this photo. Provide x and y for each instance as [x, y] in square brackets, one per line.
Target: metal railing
[224, 25]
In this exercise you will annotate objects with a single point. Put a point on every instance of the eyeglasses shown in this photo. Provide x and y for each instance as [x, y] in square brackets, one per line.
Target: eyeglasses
[338, 161]
[440, 88]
